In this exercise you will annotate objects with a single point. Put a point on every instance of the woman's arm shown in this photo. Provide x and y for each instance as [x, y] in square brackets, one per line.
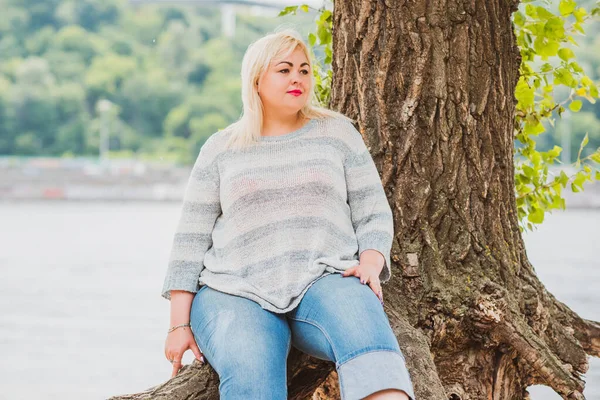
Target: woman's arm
[370, 210]
[193, 237]
[181, 305]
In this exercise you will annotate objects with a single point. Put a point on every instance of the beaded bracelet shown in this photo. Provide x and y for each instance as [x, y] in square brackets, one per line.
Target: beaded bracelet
[178, 326]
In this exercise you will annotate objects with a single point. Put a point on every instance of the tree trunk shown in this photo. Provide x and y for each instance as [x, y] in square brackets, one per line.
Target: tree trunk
[431, 84]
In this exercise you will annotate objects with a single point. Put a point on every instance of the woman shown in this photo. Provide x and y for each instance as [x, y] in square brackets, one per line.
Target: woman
[284, 239]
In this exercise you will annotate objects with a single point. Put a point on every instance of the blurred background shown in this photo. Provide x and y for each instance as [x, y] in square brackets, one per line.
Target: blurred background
[104, 105]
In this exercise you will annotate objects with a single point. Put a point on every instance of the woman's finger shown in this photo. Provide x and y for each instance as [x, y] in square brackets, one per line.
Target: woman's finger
[197, 352]
[349, 271]
[364, 279]
[376, 287]
[176, 367]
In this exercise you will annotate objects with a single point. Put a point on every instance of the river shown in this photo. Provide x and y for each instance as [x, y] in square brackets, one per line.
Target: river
[82, 316]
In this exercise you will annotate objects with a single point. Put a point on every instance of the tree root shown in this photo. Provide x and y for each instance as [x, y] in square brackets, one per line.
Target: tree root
[555, 357]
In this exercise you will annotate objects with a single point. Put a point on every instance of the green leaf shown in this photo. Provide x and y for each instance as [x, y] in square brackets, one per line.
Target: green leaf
[543, 13]
[304, 7]
[312, 39]
[577, 26]
[519, 18]
[324, 34]
[531, 11]
[579, 14]
[545, 47]
[555, 28]
[534, 129]
[586, 81]
[536, 216]
[564, 76]
[524, 93]
[580, 179]
[566, 7]
[576, 67]
[565, 53]
[528, 171]
[288, 10]
[555, 152]
[585, 141]
[563, 179]
[575, 105]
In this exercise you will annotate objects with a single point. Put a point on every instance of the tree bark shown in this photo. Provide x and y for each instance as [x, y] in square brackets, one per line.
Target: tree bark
[431, 85]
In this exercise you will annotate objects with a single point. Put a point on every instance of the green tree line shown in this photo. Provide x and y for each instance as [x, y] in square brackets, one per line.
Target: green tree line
[171, 77]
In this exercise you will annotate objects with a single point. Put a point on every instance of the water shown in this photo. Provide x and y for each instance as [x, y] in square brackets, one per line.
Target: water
[82, 316]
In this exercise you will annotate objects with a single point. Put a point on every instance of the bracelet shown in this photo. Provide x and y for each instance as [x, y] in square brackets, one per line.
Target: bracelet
[178, 326]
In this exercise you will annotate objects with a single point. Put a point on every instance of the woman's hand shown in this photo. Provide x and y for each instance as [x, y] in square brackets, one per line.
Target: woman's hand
[367, 273]
[177, 343]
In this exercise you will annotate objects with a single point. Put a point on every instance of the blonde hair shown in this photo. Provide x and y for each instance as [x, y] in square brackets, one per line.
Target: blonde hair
[258, 56]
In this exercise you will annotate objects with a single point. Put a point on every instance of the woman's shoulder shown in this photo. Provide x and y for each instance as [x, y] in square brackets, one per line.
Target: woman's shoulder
[341, 128]
[215, 143]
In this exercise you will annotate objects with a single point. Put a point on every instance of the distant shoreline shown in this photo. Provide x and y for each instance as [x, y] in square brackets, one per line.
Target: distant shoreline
[123, 180]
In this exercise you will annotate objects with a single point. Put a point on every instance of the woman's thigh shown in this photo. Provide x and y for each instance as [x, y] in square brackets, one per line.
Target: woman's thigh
[341, 320]
[245, 344]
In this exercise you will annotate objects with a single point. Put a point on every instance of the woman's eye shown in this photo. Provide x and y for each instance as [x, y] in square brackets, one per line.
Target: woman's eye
[286, 70]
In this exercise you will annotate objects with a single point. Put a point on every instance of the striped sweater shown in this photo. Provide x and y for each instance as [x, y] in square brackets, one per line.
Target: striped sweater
[266, 222]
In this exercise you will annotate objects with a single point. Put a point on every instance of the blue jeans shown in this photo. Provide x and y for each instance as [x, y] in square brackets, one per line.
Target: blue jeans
[339, 319]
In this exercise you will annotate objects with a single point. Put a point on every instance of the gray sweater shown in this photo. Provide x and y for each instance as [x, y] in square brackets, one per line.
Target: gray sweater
[266, 222]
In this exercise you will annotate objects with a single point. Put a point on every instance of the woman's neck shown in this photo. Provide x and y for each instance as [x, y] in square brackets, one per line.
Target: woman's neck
[273, 126]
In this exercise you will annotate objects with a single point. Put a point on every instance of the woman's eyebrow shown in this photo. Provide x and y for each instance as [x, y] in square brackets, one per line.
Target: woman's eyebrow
[291, 65]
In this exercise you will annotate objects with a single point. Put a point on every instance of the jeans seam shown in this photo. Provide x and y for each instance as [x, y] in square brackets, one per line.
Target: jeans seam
[319, 328]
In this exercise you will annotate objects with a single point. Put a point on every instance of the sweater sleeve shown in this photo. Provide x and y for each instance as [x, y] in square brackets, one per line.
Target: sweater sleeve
[193, 236]
[370, 211]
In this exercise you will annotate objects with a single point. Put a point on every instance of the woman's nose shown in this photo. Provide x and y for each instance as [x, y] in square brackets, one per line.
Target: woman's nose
[296, 77]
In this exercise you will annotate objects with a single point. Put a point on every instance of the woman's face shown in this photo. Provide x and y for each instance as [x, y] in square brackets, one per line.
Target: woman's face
[283, 76]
